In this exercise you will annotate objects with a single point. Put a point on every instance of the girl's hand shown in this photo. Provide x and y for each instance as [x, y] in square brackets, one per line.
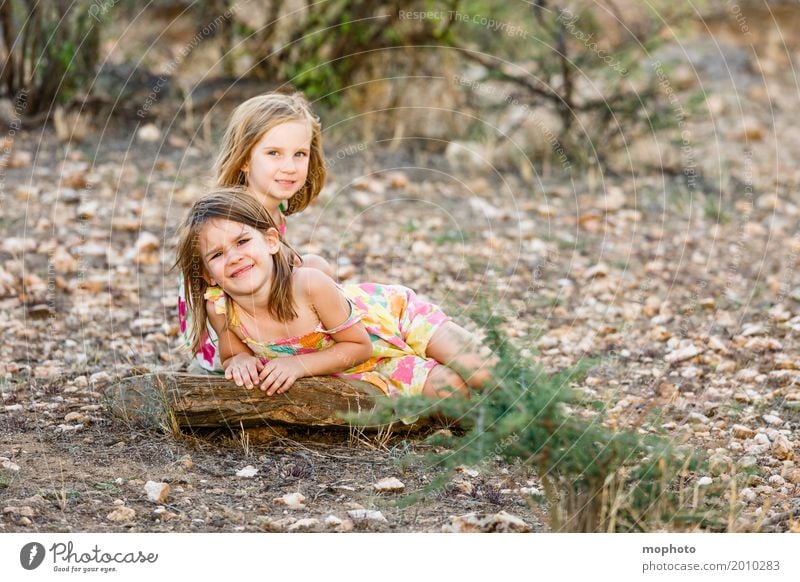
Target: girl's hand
[243, 369]
[279, 374]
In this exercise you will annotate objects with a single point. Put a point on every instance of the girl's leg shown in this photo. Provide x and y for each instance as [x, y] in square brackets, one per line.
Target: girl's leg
[458, 350]
[442, 382]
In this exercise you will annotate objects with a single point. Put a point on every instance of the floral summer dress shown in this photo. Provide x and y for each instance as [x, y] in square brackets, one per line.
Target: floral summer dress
[208, 357]
[399, 324]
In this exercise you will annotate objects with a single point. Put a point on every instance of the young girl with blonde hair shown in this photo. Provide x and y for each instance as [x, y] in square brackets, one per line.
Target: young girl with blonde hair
[272, 148]
[277, 321]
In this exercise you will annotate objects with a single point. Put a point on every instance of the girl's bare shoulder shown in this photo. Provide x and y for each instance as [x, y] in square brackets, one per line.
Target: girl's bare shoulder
[308, 280]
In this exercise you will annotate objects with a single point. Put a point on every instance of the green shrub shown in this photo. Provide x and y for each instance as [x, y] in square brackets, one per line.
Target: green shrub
[595, 479]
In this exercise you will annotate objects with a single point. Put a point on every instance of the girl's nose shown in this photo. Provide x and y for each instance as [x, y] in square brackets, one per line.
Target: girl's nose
[288, 164]
[233, 255]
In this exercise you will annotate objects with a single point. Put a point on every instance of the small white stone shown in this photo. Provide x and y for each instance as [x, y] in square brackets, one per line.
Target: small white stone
[761, 439]
[332, 521]
[747, 495]
[149, 133]
[532, 491]
[248, 472]
[147, 243]
[8, 465]
[683, 354]
[366, 515]
[697, 418]
[703, 481]
[100, 379]
[776, 480]
[156, 492]
[292, 500]
[467, 471]
[389, 485]
[772, 419]
[473, 522]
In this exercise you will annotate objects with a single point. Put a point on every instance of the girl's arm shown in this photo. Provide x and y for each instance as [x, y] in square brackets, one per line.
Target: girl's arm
[352, 347]
[240, 364]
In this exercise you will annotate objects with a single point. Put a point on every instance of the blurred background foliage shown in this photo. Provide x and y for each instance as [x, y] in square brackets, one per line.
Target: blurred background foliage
[509, 82]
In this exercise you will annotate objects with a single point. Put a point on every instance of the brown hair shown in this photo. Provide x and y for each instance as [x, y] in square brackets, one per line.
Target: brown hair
[238, 206]
[248, 124]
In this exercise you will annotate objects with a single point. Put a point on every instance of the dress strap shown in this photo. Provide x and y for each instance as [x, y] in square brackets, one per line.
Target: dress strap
[221, 303]
[218, 297]
[352, 319]
[282, 225]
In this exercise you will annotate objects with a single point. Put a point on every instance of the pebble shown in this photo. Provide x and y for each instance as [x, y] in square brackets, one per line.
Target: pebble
[531, 491]
[464, 487]
[782, 449]
[467, 471]
[761, 439]
[389, 485]
[397, 180]
[747, 374]
[121, 514]
[742, 432]
[148, 133]
[748, 461]
[76, 417]
[9, 465]
[162, 514]
[247, 472]
[747, 495]
[24, 511]
[367, 515]
[147, 243]
[683, 354]
[475, 522]
[305, 523]
[697, 418]
[332, 521]
[157, 492]
[772, 419]
[793, 476]
[292, 500]
[100, 379]
[703, 481]
[751, 329]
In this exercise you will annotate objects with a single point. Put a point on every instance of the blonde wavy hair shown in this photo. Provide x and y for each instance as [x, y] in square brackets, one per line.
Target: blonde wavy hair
[248, 124]
[237, 205]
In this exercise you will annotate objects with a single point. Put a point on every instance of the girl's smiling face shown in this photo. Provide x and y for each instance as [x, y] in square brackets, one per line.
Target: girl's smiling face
[237, 257]
[278, 164]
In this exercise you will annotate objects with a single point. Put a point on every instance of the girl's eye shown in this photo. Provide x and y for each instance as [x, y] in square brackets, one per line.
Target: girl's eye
[273, 153]
[302, 154]
[215, 256]
[243, 241]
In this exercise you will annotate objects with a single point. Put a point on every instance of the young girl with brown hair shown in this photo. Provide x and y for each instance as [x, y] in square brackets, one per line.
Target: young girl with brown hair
[277, 321]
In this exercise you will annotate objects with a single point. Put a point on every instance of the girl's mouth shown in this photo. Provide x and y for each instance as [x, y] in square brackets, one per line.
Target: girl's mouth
[240, 272]
[286, 183]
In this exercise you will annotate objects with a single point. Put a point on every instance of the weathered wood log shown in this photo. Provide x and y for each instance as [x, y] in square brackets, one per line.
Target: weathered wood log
[175, 400]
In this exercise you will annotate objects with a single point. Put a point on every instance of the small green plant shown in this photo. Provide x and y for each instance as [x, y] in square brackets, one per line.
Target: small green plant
[595, 479]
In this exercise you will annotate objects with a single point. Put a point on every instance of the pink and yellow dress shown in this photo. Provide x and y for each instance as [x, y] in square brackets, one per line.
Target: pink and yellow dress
[399, 324]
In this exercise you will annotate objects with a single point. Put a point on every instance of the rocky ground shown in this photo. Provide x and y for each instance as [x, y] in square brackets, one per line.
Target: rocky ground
[685, 292]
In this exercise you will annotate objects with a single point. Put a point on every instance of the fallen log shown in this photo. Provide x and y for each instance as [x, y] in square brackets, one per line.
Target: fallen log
[185, 401]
